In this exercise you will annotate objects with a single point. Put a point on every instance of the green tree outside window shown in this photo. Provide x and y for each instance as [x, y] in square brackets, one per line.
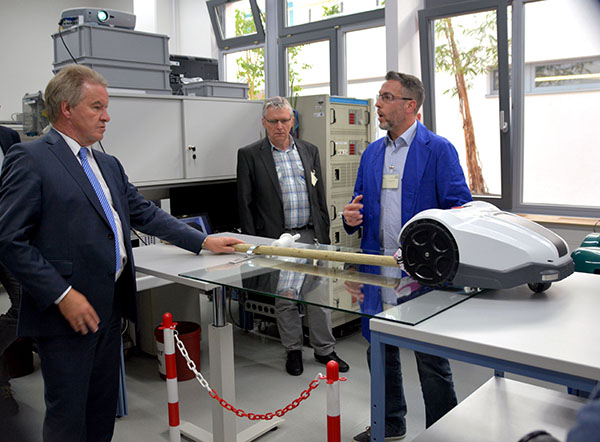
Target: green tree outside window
[251, 65]
[464, 66]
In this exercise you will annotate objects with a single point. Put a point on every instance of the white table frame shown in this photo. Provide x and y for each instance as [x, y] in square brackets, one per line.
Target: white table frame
[506, 410]
[551, 336]
[168, 262]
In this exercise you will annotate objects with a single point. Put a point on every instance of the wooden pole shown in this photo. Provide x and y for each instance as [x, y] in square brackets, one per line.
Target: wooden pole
[325, 255]
[330, 272]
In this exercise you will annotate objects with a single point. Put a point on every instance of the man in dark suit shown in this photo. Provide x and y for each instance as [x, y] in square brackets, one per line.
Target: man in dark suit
[65, 216]
[280, 189]
[8, 320]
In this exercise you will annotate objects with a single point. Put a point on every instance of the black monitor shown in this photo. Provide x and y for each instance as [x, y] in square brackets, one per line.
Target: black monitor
[215, 202]
[191, 67]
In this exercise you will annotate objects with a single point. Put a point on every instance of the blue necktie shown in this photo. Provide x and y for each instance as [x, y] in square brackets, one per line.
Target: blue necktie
[103, 201]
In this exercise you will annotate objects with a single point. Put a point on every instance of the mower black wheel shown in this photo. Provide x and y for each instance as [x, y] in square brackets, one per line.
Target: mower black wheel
[538, 287]
[429, 252]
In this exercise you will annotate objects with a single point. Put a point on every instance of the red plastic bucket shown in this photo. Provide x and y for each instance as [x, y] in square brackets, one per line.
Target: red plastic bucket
[189, 334]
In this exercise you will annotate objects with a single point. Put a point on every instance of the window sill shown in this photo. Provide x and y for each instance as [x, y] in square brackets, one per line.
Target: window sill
[562, 220]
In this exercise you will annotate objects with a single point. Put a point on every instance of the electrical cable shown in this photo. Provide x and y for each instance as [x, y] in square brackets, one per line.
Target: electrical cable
[60, 23]
[230, 314]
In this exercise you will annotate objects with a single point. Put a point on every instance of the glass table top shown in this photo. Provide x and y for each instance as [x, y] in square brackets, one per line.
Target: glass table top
[381, 292]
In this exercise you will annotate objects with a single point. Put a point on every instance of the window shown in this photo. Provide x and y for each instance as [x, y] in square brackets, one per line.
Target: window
[560, 154]
[365, 65]
[307, 11]
[239, 30]
[302, 50]
[237, 22]
[557, 76]
[308, 68]
[566, 75]
[365, 62]
[247, 66]
[465, 49]
[236, 19]
[323, 23]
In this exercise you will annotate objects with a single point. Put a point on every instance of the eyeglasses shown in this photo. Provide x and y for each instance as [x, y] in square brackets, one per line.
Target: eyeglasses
[386, 97]
[282, 121]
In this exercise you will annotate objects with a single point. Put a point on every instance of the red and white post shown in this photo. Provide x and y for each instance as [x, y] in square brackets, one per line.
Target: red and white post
[171, 372]
[333, 403]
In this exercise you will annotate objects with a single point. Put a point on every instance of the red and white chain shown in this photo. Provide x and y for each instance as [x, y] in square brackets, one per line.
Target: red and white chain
[191, 364]
[239, 412]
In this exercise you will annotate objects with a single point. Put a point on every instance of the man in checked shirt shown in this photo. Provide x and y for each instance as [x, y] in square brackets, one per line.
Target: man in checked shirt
[280, 189]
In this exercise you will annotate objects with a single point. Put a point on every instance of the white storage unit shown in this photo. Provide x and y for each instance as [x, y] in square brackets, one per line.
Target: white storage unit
[163, 140]
[214, 130]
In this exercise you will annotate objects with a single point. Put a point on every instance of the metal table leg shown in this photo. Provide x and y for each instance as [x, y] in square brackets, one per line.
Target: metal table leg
[222, 377]
[377, 388]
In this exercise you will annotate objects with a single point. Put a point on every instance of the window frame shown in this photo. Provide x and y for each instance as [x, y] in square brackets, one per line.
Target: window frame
[333, 22]
[518, 94]
[512, 157]
[530, 75]
[341, 48]
[331, 29]
[328, 35]
[242, 40]
[279, 37]
[427, 38]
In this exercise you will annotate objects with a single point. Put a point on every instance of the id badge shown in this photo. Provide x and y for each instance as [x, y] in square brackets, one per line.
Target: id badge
[390, 181]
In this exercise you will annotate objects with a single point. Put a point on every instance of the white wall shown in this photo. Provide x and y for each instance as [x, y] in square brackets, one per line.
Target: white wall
[402, 28]
[196, 36]
[579, 19]
[186, 22]
[26, 27]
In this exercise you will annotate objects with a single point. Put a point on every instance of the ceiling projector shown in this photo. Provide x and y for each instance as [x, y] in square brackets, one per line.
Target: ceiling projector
[96, 16]
[478, 245]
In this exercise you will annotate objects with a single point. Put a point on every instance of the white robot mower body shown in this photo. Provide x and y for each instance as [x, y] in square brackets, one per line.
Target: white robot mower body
[478, 245]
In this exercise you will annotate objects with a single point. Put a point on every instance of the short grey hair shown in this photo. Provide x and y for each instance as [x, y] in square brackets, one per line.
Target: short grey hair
[278, 103]
[414, 87]
[67, 86]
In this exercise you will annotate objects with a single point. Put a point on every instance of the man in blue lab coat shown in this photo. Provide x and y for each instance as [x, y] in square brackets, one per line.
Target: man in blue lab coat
[409, 170]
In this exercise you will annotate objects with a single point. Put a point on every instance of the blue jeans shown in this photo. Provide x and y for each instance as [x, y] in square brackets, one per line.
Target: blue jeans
[436, 384]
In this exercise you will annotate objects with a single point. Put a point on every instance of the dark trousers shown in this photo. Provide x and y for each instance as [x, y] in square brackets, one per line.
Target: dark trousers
[436, 385]
[81, 381]
[8, 321]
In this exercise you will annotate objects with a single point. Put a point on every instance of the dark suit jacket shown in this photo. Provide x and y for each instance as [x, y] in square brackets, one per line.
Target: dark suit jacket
[259, 193]
[8, 137]
[54, 233]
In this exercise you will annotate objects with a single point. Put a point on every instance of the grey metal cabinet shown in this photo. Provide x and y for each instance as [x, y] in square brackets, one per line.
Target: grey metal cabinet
[214, 130]
[341, 128]
[164, 140]
[145, 134]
